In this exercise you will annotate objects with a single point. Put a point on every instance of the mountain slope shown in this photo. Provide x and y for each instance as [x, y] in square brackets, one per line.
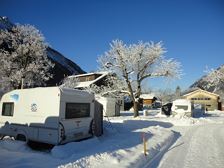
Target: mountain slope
[63, 66]
[5, 23]
[206, 85]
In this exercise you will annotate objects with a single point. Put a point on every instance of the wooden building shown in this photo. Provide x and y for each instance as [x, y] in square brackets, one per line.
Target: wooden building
[85, 80]
[209, 101]
[148, 99]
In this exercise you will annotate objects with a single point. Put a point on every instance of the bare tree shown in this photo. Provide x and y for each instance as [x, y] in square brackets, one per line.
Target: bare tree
[177, 92]
[166, 95]
[136, 62]
[113, 87]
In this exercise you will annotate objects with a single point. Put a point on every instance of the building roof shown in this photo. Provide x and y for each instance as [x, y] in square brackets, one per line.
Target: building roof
[182, 101]
[147, 96]
[88, 83]
[197, 90]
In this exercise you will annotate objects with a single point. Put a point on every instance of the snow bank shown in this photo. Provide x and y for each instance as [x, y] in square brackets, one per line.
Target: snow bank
[125, 150]
[120, 146]
[11, 145]
[74, 148]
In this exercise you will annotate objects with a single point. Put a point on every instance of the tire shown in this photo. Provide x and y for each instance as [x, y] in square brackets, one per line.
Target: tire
[92, 127]
[62, 133]
[21, 137]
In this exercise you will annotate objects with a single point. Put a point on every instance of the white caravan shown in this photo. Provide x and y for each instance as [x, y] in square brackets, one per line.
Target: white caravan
[51, 115]
[182, 107]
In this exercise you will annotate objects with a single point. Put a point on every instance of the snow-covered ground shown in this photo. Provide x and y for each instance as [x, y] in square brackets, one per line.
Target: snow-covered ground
[200, 146]
[171, 142]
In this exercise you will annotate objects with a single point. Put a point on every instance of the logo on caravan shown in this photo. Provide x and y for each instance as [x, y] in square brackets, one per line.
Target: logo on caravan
[33, 107]
[14, 97]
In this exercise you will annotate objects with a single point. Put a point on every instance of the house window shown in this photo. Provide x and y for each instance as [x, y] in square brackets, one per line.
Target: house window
[88, 78]
[7, 109]
[77, 110]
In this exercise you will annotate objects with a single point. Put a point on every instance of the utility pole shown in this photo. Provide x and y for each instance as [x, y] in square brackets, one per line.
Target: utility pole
[22, 82]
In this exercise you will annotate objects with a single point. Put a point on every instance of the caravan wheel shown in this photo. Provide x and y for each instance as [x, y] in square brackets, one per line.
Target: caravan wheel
[21, 137]
[61, 133]
[92, 127]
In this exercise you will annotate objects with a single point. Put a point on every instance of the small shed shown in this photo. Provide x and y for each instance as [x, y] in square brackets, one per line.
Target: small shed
[111, 106]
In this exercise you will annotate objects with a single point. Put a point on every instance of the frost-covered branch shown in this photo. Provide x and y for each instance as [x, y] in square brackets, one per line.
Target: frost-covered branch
[136, 62]
[167, 68]
[70, 82]
[113, 87]
[23, 55]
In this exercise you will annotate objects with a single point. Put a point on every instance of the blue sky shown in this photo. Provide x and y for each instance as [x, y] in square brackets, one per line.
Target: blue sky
[192, 30]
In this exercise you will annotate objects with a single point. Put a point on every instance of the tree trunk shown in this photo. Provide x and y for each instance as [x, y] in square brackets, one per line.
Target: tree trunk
[139, 90]
[136, 113]
[137, 99]
[135, 104]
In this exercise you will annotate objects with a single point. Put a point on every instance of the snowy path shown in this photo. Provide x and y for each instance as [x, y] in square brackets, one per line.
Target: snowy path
[200, 147]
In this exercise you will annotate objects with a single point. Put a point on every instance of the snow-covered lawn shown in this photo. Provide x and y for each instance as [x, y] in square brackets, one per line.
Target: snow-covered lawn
[120, 146]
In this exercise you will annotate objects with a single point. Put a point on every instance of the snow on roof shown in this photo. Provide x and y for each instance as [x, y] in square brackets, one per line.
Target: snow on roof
[87, 74]
[182, 101]
[88, 83]
[147, 96]
[194, 91]
[70, 91]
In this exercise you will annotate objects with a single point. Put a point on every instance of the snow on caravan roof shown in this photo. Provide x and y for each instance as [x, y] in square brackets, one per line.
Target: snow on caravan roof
[182, 101]
[66, 91]
[36, 88]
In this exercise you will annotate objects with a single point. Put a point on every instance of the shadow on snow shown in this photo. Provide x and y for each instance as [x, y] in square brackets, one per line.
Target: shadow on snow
[117, 136]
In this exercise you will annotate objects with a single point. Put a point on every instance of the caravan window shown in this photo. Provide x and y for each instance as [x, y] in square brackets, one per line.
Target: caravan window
[7, 109]
[181, 107]
[77, 110]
